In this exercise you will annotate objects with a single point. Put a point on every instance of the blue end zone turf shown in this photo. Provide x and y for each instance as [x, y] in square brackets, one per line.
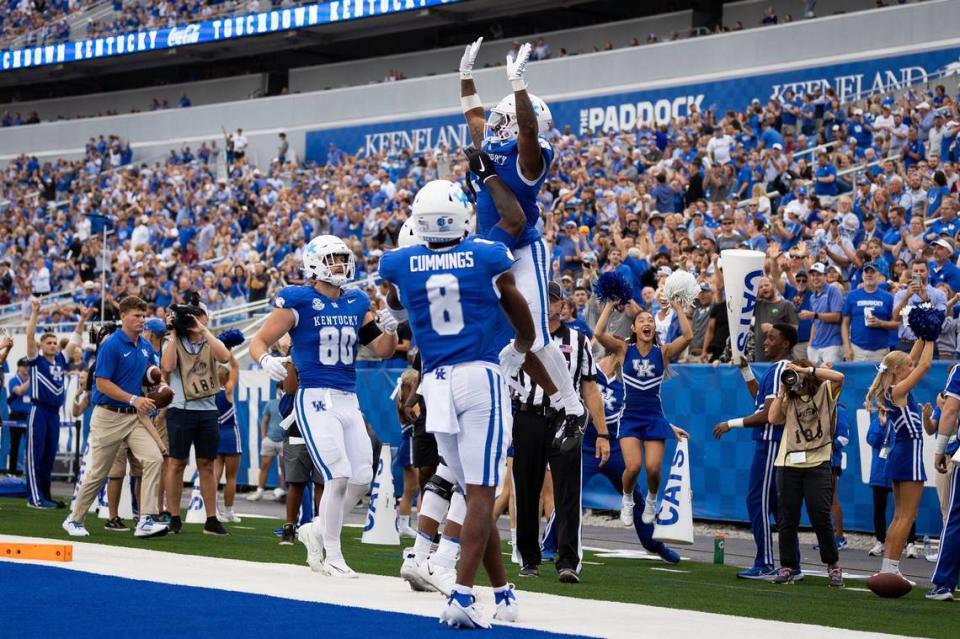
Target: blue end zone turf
[52, 602]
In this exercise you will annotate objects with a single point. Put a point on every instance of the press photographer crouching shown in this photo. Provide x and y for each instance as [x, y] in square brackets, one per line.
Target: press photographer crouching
[189, 358]
[807, 407]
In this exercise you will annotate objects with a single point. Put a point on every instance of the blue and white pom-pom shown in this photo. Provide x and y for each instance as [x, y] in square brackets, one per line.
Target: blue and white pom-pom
[681, 285]
[231, 338]
[925, 320]
[612, 287]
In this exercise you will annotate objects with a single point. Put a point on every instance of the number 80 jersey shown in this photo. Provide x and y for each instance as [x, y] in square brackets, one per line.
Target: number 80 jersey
[451, 298]
[324, 335]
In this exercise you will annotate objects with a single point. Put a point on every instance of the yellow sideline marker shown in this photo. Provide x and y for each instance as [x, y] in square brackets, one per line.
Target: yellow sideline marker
[45, 552]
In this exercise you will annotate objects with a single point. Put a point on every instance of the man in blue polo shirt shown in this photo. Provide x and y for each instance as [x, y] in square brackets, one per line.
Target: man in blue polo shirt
[867, 319]
[944, 270]
[119, 415]
[825, 178]
[826, 304]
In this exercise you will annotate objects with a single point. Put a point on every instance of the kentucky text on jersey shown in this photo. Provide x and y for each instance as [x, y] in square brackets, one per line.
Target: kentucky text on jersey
[451, 298]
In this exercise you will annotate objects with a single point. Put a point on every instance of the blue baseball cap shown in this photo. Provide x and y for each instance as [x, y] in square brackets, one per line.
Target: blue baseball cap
[872, 266]
[156, 326]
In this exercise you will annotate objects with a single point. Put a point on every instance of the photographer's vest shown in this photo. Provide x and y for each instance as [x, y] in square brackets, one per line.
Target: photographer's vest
[809, 428]
[198, 372]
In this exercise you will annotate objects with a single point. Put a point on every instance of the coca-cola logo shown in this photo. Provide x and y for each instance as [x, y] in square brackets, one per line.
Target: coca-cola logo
[179, 36]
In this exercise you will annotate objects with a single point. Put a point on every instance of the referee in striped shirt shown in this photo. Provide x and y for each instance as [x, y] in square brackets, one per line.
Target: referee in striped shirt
[536, 442]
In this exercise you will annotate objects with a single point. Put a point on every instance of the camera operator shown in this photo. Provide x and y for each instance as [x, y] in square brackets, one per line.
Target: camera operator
[189, 358]
[807, 407]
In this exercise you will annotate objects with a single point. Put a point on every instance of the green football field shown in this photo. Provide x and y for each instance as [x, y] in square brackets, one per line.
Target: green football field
[688, 585]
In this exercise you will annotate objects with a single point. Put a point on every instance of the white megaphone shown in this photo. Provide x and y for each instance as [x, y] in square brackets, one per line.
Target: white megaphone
[381, 525]
[675, 517]
[742, 271]
[196, 512]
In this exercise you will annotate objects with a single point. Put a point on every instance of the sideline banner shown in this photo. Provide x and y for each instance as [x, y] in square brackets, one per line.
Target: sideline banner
[624, 111]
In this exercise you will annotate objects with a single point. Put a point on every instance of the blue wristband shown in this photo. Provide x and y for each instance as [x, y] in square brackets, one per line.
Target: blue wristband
[497, 234]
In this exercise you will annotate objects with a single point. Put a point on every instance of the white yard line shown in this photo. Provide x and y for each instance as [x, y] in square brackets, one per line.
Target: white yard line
[552, 613]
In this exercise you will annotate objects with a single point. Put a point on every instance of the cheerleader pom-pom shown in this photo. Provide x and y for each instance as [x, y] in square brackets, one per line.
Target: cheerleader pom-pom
[612, 287]
[231, 338]
[683, 286]
[926, 321]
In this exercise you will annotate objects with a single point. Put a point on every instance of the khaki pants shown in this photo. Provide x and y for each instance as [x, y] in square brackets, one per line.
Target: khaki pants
[108, 431]
[861, 355]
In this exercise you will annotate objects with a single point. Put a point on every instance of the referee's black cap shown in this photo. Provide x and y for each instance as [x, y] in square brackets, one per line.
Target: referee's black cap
[556, 291]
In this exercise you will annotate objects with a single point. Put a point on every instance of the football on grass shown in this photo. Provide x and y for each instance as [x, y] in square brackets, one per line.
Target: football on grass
[888, 585]
[152, 377]
[161, 397]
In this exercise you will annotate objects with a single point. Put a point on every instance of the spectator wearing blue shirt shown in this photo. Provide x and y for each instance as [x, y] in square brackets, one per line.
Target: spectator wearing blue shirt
[825, 177]
[944, 270]
[860, 130]
[936, 194]
[867, 319]
[119, 416]
[947, 224]
[827, 304]
[913, 151]
[664, 195]
[918, 292]
[894, 235]
[19, 402]
[770, 136]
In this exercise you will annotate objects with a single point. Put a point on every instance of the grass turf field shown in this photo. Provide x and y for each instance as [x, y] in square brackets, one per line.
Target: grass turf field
[703, 587]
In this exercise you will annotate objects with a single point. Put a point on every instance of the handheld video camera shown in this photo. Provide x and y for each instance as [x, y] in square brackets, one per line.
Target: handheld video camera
[184, 315]
[792, 380]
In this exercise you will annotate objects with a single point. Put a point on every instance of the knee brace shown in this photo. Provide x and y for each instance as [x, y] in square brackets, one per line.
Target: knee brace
[442, 486]
[433, 505]
[458, 509]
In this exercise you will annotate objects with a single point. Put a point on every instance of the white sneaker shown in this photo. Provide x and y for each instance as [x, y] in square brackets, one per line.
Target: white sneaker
[932, 557]
[877, 550]
[464, 614]
[649, 510]
[256, 495]
[227, 516]
[337, 567]
[507, 608]
[912, 551]
[279, 493]
[410, 574]
[437, 577]
[407, 532]
[310, 536]
[75, 528]
[626, 511]
[147, 527]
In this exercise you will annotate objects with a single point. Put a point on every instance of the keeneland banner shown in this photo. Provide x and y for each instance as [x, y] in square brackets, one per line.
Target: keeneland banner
[625, 111]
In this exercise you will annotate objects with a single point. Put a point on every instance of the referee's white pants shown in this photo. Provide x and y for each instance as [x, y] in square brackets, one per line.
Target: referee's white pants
[335, 434]
[475, 446]
[531, 272]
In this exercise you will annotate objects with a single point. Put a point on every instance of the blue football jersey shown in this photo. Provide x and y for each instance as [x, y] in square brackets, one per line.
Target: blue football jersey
[769, 387]
[451, 299]
[506, 160]
[324, 335]
[46, 380]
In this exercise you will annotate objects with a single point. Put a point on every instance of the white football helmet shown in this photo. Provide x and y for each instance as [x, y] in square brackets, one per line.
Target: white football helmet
[408, 235]
[502, 123]
[441, 212]
[320, 260]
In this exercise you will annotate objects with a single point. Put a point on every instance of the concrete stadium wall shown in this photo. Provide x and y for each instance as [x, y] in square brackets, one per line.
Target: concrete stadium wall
[241, 87]
[440, 61]
[927, 26]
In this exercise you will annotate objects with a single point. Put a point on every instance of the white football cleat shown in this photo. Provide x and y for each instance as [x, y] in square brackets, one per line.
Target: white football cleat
[649, 510]
[75, 528]
[626, 511]
[337, 567]
[438, 578]
[410, 574]
[507, 608]
[279, 493]
[311, 538]
[877, 550]
[147, 527]
[256, 495]
[462, 612]
[406, 532]
[912, 551]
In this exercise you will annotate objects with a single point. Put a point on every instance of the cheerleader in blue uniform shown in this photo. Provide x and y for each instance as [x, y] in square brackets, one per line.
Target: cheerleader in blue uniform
[230, 448]
[891, 394]
[643, 427]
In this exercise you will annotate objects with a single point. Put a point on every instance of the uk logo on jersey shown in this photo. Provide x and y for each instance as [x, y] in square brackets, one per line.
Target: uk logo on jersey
[279, 302]
[643, 368]
[143, 351]
[319, 406]
[609, 399]
[318, 305]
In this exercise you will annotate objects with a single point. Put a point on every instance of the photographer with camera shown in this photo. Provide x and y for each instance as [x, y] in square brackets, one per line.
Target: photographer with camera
[190, 359]
[807, 407]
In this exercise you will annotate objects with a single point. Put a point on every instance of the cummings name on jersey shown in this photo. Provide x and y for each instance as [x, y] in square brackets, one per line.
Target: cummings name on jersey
[440, 261]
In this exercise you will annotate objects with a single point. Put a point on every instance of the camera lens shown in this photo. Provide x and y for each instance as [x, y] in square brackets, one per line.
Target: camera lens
[790, 379]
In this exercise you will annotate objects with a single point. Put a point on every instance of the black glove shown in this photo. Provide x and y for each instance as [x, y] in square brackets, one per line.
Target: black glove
[480, 163]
